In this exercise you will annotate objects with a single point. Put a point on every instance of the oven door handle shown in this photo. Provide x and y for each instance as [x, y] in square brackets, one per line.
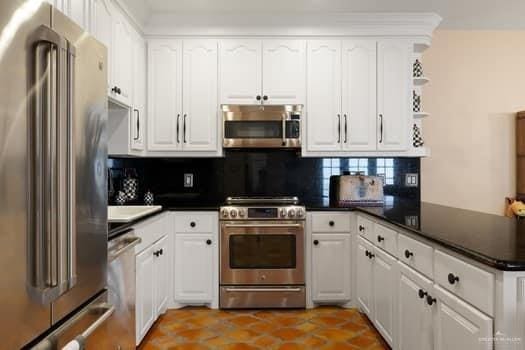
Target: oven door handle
[264, 225]
[295, 290]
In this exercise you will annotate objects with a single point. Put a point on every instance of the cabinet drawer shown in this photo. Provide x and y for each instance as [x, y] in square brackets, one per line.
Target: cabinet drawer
[330, 222]
[365, 228]
[465, 280]
[415, 254]
[385, 238]
[192, 222]
[152, 229]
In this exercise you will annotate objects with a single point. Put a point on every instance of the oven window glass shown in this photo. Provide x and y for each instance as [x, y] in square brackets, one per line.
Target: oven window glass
[236, 129]
[262, 252]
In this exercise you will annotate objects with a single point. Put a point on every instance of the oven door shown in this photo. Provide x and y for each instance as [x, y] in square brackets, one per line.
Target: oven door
[262, 253]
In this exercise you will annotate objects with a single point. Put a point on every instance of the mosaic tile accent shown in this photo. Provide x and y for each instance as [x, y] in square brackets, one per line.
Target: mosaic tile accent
[325, 328]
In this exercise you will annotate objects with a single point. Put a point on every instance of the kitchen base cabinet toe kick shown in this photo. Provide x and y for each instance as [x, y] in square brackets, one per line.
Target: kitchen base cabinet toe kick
[417, 293]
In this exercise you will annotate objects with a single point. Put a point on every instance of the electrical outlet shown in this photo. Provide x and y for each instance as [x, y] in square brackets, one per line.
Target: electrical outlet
[411, 180]
[188, 180]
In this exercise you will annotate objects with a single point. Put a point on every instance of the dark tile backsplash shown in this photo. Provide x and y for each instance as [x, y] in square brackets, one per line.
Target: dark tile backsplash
[268, 173]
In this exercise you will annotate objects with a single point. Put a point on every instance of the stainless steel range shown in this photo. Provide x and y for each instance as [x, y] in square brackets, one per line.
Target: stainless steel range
[262, 253]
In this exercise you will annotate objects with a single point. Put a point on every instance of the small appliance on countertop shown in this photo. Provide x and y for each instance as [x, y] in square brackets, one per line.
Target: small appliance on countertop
[356, 190]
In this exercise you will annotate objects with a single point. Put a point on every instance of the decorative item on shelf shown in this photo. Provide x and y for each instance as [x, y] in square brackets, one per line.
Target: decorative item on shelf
[417, 140]
[130, 184]
[121, 198]
[416, 103]
[417, 69]
[148, 198]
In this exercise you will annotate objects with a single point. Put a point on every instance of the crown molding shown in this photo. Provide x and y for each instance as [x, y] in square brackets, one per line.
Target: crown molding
[281, 24]
[130, 15]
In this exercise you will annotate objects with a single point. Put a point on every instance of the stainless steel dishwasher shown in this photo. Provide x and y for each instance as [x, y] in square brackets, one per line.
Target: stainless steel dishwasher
[121, 290]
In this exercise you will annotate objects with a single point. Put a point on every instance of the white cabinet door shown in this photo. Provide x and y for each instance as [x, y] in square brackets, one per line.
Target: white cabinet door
[102, 29]
[80, 12]
[240, 66]
[145, 296]
[331, 262]
[393, 94]
[323, 102]
[460, 326]
[161, 248]
[200, 107]
[415, 330]
[364, 274]
[359, 95]
[284, 71]
[193, 267]
[384, 294]
[138, 117]
[164, 95]
[122, 61]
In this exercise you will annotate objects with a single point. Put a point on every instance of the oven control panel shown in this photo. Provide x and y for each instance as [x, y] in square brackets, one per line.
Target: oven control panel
[288, 212]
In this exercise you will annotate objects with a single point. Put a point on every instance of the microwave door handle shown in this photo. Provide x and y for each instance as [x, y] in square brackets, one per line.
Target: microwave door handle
[263, 225]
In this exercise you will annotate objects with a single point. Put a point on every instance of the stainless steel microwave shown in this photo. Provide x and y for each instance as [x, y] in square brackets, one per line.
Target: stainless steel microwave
[262, 126]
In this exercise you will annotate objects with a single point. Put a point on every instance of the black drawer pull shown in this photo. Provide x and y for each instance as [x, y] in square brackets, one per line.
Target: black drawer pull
[208, 241]
[371, 255]
[367, 253]
[193, 224]
[380, 239]
[361, 228]
[430, 300]
[331, 223]
[452, 279]
[422, 293]
[408, 254]
[316, 242]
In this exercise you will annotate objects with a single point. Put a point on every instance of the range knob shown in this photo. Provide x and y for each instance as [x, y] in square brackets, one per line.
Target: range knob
[233, 213]
[282, 212]
[291, 213]
[224, 213]
[300, 213]
[241, 213]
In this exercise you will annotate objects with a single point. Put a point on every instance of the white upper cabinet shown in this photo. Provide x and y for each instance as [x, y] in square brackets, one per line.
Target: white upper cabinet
[164, 95]
[138, 116]
[283, 71]
[122, 61]
[240, 71]
[359, 95]
[200, 89]
[331, 252]
[323, 116]
[393, 94]
[102, 29]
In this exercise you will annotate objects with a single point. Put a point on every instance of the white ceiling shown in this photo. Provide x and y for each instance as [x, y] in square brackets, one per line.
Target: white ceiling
[457, 14]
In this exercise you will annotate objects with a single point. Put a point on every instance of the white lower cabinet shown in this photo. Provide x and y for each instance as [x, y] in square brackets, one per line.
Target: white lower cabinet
[414, 316]
[384, 296]
[331, 262]
[160, 251]
[196, 263]
[364, 274]
[145, 310]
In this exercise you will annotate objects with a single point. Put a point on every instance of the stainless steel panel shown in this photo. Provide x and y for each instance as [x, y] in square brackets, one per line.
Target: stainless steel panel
[122, 291]
[262, 297]
[284, 276]
[22, 317]
[88, 103]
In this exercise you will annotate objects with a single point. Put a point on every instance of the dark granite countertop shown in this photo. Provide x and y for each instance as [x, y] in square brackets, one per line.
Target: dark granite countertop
[493, 240]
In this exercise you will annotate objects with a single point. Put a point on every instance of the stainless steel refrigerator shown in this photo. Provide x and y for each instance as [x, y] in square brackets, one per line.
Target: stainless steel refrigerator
[53, 201]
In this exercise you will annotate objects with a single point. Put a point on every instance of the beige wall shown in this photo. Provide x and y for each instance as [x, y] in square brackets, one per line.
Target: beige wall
[477, 85]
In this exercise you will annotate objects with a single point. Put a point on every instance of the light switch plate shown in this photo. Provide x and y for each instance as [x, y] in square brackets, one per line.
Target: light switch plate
[188, 180]
[411, 180]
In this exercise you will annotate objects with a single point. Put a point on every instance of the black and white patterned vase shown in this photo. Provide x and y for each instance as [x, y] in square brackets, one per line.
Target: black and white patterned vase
[130, 187]
[416, 102]
[120, 198]
[417, 139]
[417, 69]
[149, 198]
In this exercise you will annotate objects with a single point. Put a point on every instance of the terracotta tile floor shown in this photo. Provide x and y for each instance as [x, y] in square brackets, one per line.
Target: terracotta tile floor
[320, 328]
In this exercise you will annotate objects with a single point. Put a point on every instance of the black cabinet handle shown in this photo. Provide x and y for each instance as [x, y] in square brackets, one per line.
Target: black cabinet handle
[430, 300]
[408, 254]
[193, 224]
[156, 253]
[422, 293]
[119, 91]
[361, 228]
[339, 128]
[265, 98]
[367, 252]
[380, 128]
[371, 255]
[380, 239]
[184, 128]
[138, 125]
[452, 279]
[178, 128]
[208, 241]
[115, 90]
[316, 242]
[258, 98]
[331, 223]
[161, 251]
[346, 129]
